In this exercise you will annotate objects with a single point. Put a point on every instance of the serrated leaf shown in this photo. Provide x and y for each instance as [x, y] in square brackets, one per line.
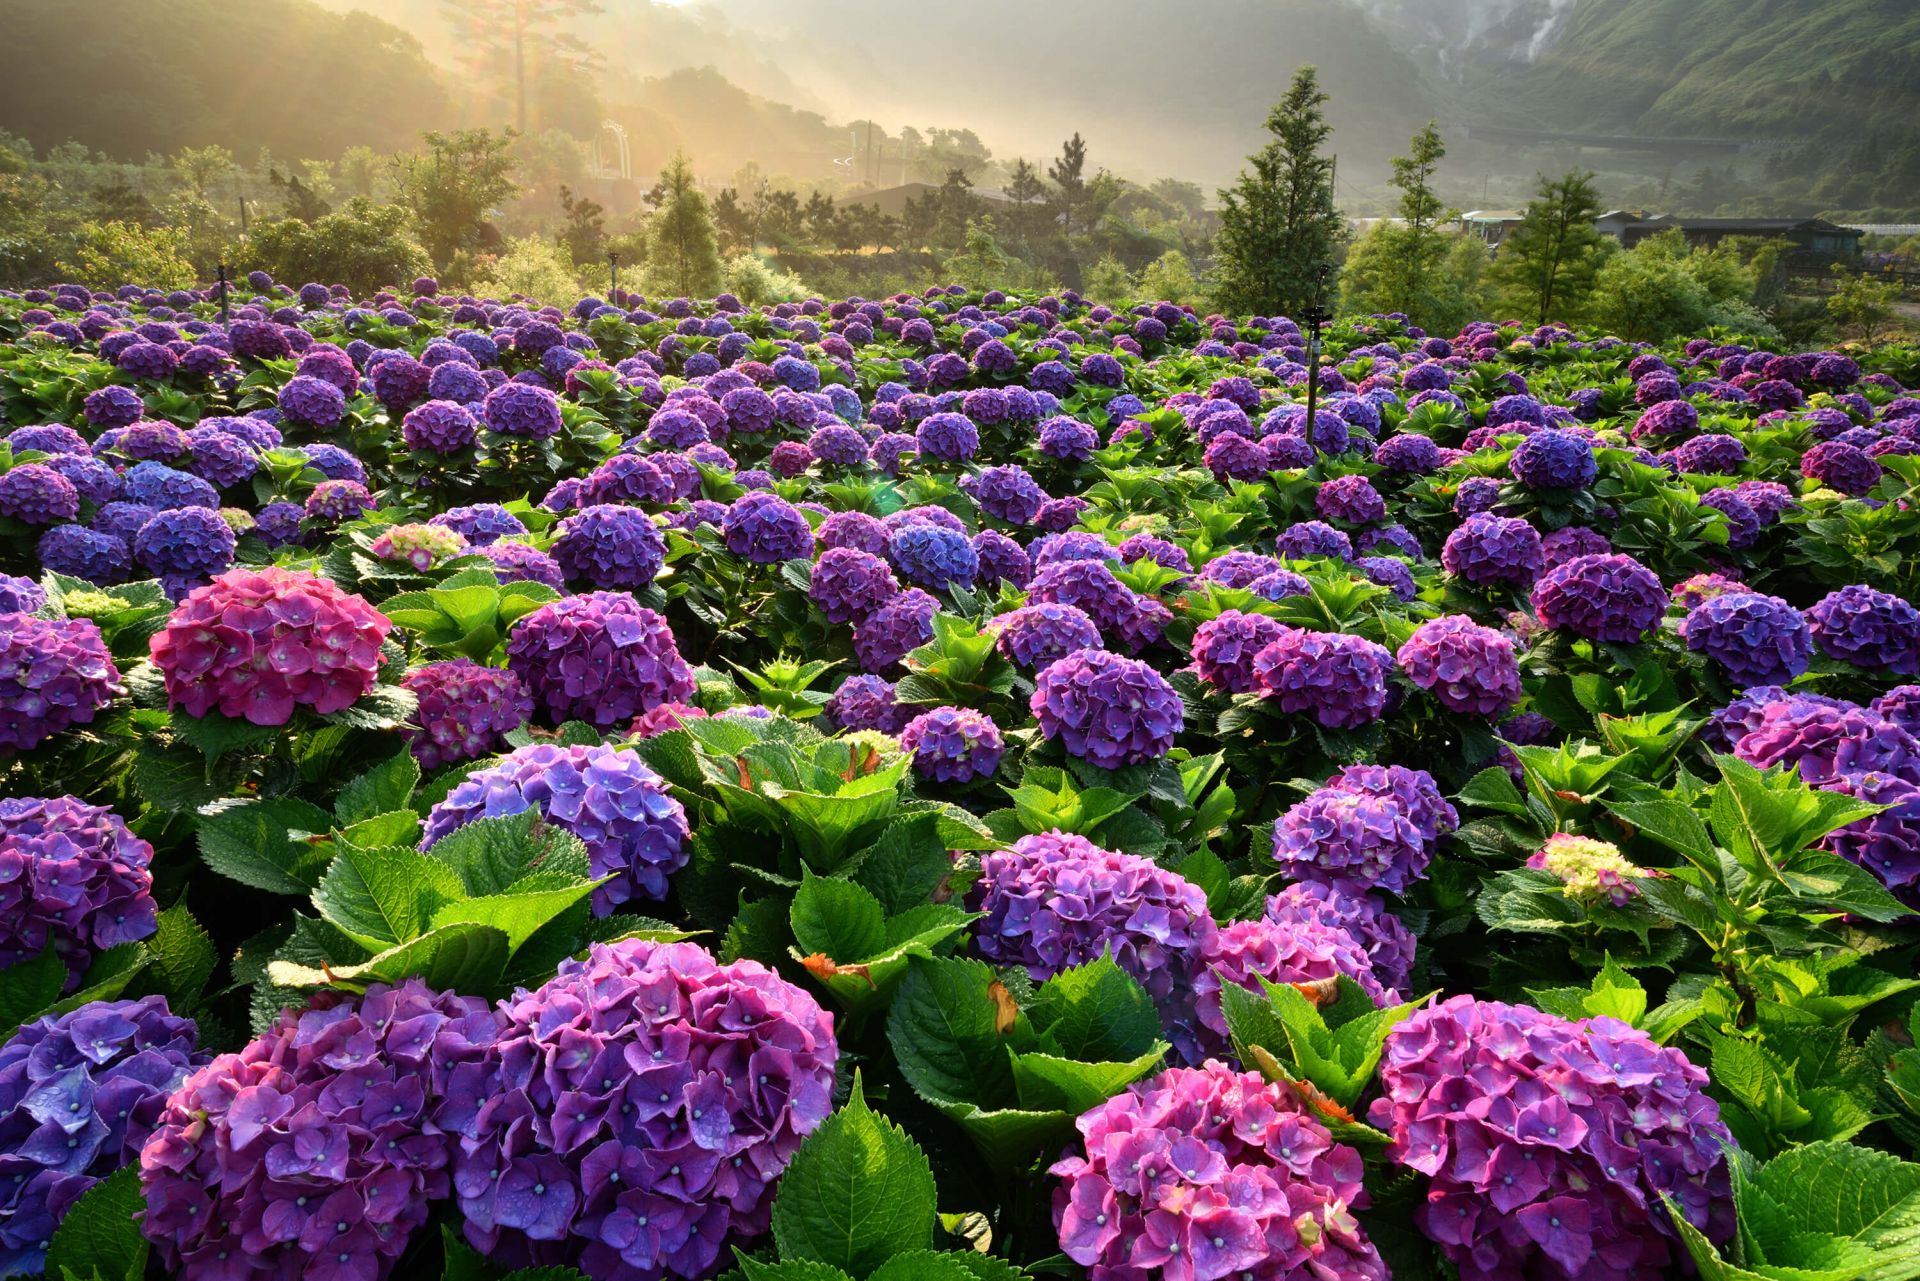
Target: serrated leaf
[788, 1269]
[922, 1265]
[519, 915]
[383, 789]
[905, 865]
[943, 1029]
[1096, 1012]
[490, 855]
[386, 895]
[463, 957]
[401, 827]
[1047, 1082]
[837, 918]
[183, 958]
[28, 987]
[858, 1192]
[254, 843]
[100, 1235]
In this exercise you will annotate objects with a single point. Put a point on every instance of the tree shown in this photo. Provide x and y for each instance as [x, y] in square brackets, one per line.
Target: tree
[302, 201]
[1108, 281]
[980, 264]
[201, 167]
[110, 254]
[454, 187]
[360, 169]
[1028, 192]
[682, 258]
[1170, 278]
[502, 36]
[1550, 260]
[1278, 228]
[1860, 305]
[1069, 175]
[362, 245]
[584, 233]
[733, 221]
[1402, 264]
[533, 268]
[1660, 289]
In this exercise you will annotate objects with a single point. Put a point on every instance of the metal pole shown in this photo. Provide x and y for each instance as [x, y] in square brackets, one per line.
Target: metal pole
[226, 317]
[1316, 316]
[613, 277]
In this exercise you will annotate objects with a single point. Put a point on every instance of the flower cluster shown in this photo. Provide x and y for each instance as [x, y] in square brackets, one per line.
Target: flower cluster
[1224, 648]
[633, 830]
[1487, 550]
[599, 657]
[419, 546]
[1370, 826]
[1387, 942]
[1298, 951]
[636, 1111]
[79, 1094]
[465, 710]
[259, 643]
[1757, 639]
[1587, 869]
[73, 878]
[1549, 1144]
[608, 545]
[1210, 1173]
[1338, 679]
[1870, 629]
[1605, 598]
[1034, 636]
[848, 585]
[766, 529]
[317, 1150]
[1107, 710]
[1468, 668]
[953, 744]
[54, 673]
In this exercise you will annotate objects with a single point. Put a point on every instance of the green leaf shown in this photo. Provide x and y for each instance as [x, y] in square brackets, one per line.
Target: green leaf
[1671, 822]
[837, 918]
[787, 1269]
[904, 867]
[385, 895]
[490, 855]
[1492, 789]
[923, 1265]
[183, 956]
[401, 827]
[259, 843]
[1049, 1083]
[519, 915]
[381, 790]
[858, 1192]
[1839, 1187]
[943, 1033]
[1096, 1012]
[216, 735]
[464, 957]
[29, 987]
[1616, 994]
[100, 1235]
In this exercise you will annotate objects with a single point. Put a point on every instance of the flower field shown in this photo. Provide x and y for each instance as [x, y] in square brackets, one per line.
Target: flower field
[952, 788]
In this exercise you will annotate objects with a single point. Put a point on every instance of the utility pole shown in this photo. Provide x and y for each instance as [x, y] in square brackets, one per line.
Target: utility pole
[1316, 317]
[226, 316]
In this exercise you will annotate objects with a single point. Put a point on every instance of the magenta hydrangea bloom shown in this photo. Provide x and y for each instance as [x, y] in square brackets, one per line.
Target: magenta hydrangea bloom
[633, 829]
[1488, 549]
[1610, 598]
[1549, 1144]
[1371, 826]
[1106, 710]
[1224, 648]
[953, 744]
[1870, 629]
[73, 878]
[636, 1112]
[1387, 941]
[54, 673]
[1208, 1172]
[1340, 680]
[465, 711]
[315, 1153]
[1888, 843]
[1901, 705]
[1468, 668]
[79, 1094]
[515, 562]
[1298, 951]
[865, 702]
[599, 657]
[1034, 636]
[259, 643]
[1755, 638]
[1052, 901]
[1823, 739]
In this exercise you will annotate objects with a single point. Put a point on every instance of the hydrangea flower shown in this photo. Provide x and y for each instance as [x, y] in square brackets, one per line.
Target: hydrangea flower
[1034, 636]
[848, 585]
[1842, 467]
[599, 657]
[1007, 493]
[1309, 538]
[73, 878]
[36, 494]
[895, 630]
[523, 410]
[934, 557]
[1224, 648]
[766, 529]
[1340, 680]
[465, 710]
[864, 702]
[1870, 629]
[79, 1094]
[1210, 1173]
[1823, 739]
[636, 1112]
[1468, 668]
[1301, 951]
[1549, 1143]
[1610, 598]
[608, 545]
[949, 438]
[20, 595]
[481, 524]
[316, 1151]
[1553, 459]
[338, 501]
[1388, 943]
[953, 744]
[1887, 843]
[259, 643]
[634, 831]
[1487, 550]
[1106, 710]
[1757, 639]
[1350, 498]
[54, 673]
[1587, 869]
[1370, 826]
[439, 427]
[419, 546]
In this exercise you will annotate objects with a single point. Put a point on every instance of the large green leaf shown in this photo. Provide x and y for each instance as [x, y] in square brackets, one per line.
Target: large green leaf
[264, 843]
[519, 915]
[383, 789]
[491, 855]
[837, 918]
[464, 957]
[183, 958]
[858, 1192]
[386, 895]
[1096, 1012]
[944, 1033]
[100, 1235]
[1047, 1082]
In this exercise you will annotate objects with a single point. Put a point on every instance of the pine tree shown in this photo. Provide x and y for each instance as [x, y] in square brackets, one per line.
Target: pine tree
[1278, 226]
[1402, 268]
[682, 258]
[1550, 260]
[1069, 174]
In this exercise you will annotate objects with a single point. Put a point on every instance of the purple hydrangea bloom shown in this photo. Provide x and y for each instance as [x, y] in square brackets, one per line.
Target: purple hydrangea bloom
[1408, 454]
[1667, 418]
[865, 702]
[20, 595]
[599, 657]
[1304, 950]
[1549, 1143]
[1553, 459]
[1870, 629]
[79, 552]
[162, 488]
[1611, 598]
[636, 1111]
[1901, 705]
[481, 524]
[1340, 680]
[1001, 560]
[518, 563]
[857, 530]
[1469, 669]
[1034, 636]
[188, 542]
[1474, 495]
[338, 501]
[1888, 843]
[36, 494]
[1487, 550]
[465, 711]
[627, 478]
[1823, 739]
[521, 409]
[1231, 456]
[79, 1094]
[1757, 639]
[1067, 439]
[953, 744]
[1387, 942]
[1007, 493]
[848, 585]
[335, 1116]
[634, 831]
[1351, 499]
[766, 529]
[73, 878]
[1208, 1172]
[949, 438]
[312, 402]
[1309, 538]
[610, 546]
[897, 628]
[54, 673]
[1224, 648]
[1564, 544]
[934, 557]
[1714, 455]
[439, 427]
[1107, 710]
[1842, 467]
[1370, 827]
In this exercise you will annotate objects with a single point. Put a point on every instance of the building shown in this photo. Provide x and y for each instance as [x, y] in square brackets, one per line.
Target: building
[1809, 236]
[1614, 221]
[1490, 226]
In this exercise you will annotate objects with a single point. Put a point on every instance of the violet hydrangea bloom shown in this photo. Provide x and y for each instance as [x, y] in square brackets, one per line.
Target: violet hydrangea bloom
[1757, 639]
[516, 562]
[1468, 668]
[1224, 648]
[1842, 467]
[1887, 843]
[315, 1153]
[1106, 710]
[766, 529]
[1553, 459]
[1823, 739]
[1387, 941]
[633, 829]
[1340, 680]
[1370, 826]
[933, 557]
[953, 744]
[1870, 629]
[848, 585]
[895, 630]
[79, 1095]
[73, 878]
[1487, 549]
[1352, 499]
[1611, 598]
[865, 702]
[521, 409]
[637, 1110]
[1208, 1172]
[465, 710]
[20, 595]
[259, 643]
[608, 545]
[36, 494]
[600, 657]
[1550, 1143]
[54, 673]
[1034, 636]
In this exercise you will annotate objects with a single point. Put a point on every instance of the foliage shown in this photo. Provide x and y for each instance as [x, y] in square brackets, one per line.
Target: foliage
[1547, 264]
[127, 251]
[1278, 227]
[682, 259]
[362, 245]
